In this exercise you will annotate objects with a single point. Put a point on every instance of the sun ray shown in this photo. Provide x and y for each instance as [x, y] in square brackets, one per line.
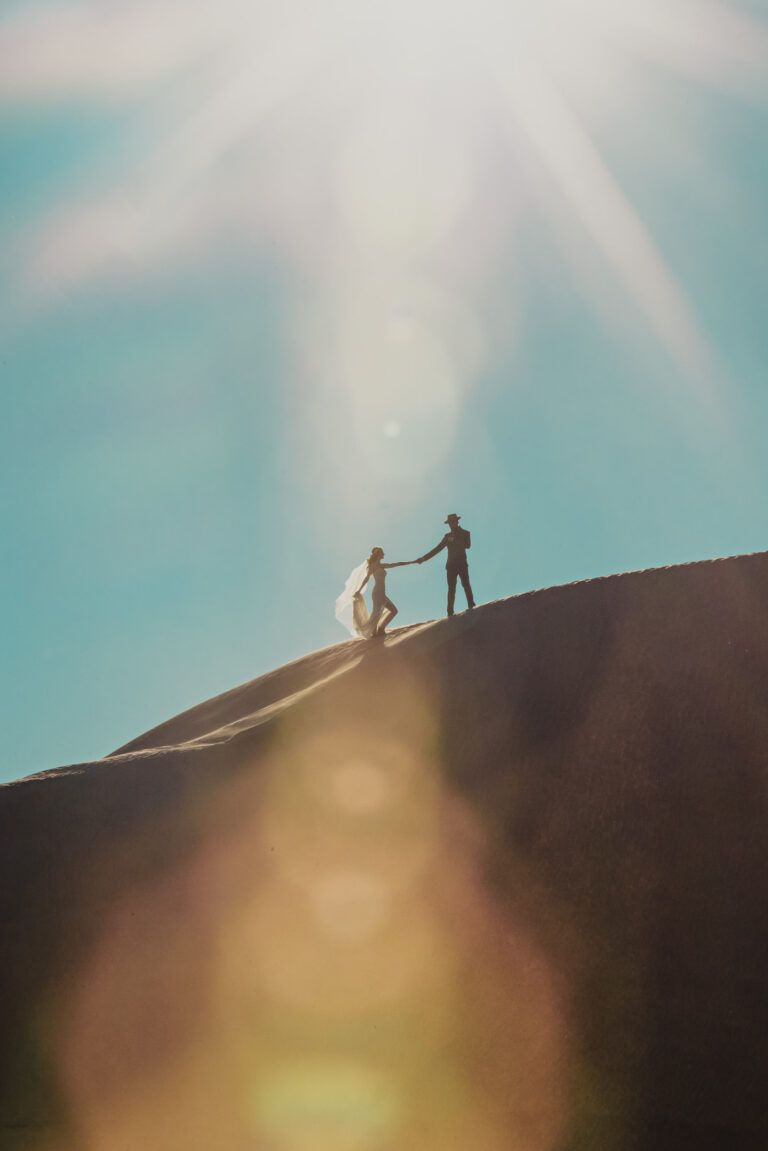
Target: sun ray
[236, 67]
[701, 39]
[598, 202]
[256, 87]
[100, 51]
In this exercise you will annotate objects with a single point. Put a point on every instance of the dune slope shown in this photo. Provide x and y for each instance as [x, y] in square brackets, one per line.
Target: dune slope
[499, 881]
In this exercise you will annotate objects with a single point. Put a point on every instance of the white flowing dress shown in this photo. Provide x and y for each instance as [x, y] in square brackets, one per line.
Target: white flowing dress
[351, 610]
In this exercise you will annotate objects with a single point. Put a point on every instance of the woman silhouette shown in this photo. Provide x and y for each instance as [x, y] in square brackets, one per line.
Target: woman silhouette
[374, 626]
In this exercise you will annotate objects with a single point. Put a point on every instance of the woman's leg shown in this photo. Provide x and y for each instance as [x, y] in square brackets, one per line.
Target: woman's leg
[387, 619]
[378, 603]
[375, 617]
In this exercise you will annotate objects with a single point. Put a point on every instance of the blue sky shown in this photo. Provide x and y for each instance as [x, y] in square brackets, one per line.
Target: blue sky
[258, 314]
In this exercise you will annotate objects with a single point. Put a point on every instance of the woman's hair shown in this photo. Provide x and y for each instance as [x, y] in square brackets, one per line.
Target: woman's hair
[376, 553]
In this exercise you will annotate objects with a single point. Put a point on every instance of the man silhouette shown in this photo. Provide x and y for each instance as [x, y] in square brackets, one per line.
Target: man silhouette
[456, 541]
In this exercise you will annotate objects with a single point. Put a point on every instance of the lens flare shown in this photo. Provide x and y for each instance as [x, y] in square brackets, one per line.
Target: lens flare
[324, 966]
[361, 788]
[350, 905]
[327, 1105]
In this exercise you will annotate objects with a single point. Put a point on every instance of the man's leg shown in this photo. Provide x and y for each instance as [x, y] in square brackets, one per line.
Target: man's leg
[464, 576]
[451, 573]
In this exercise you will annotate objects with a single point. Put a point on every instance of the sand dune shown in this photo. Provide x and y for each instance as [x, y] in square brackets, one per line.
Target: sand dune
[498, 882]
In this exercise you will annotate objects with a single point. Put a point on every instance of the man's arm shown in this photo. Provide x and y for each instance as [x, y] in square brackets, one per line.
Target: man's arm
[443, 543]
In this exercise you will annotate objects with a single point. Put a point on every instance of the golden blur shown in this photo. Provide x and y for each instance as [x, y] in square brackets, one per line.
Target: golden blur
[326, 970]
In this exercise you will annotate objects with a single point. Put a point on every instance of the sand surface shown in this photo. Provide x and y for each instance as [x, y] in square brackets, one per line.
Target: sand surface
[497, 882]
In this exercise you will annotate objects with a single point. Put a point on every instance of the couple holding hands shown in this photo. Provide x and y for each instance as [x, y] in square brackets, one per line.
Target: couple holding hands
[456, 541]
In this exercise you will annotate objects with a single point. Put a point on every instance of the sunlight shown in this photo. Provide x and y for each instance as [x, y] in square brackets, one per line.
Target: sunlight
[403, 183]
[379, 155]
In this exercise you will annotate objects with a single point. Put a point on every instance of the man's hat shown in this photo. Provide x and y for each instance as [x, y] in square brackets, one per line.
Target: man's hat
[452, 516]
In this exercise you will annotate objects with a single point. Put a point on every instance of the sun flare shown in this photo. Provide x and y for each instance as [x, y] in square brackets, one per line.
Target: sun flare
[389, 156]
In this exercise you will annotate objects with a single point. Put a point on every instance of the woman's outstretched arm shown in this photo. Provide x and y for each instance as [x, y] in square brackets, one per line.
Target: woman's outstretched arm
[401, 564]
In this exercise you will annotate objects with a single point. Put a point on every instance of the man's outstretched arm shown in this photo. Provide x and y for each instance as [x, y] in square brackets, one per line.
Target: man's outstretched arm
[428, 556]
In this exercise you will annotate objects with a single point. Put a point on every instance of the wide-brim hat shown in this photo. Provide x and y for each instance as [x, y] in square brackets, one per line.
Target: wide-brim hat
[452, 516]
